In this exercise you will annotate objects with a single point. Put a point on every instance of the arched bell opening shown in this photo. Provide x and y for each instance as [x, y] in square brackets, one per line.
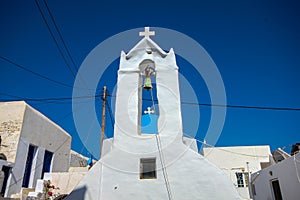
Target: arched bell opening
[148, 104]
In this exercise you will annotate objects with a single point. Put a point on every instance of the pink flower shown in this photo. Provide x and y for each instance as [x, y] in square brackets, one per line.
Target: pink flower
[50, 193]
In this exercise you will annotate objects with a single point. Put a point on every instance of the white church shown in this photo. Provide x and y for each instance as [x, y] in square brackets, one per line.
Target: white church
[156, 163]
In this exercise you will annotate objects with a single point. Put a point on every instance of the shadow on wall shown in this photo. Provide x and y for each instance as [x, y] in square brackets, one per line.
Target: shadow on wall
[79, 194]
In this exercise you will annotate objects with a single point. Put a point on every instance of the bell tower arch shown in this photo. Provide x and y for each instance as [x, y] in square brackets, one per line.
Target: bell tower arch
[148, 109]
[144, 64]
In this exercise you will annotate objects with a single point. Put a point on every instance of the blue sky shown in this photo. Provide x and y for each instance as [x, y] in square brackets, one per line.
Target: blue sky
[255, 45]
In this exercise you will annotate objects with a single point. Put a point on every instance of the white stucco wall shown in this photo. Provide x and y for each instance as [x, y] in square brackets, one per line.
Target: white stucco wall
[234, 159]
[66, 181]
[42, 132]
[190, 176]
[288, 174]
[39, 131]
[182, 174]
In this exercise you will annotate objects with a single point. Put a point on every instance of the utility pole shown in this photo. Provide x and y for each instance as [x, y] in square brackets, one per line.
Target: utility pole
[249, 181]
[103, 119]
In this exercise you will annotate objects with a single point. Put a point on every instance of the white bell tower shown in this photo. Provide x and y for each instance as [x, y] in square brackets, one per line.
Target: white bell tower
[129, 96]
[160, 166]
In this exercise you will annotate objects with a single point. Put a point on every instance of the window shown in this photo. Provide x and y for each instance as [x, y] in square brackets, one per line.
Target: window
[276, 189]
[47, 162]
[148, 168]
[28, 165]
[239, 179]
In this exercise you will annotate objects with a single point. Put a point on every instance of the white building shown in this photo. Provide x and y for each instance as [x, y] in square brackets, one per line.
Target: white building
[279, 181]
[33, 145]
[157, 165]
[239, 162]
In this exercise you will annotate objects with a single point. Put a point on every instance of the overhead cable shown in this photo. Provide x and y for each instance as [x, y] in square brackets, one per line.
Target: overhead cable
[35, 73]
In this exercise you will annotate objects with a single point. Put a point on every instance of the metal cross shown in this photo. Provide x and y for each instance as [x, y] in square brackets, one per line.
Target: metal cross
[147, 32]
[149, 111]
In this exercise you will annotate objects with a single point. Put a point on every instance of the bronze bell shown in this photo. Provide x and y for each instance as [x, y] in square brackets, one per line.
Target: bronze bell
[147, 83]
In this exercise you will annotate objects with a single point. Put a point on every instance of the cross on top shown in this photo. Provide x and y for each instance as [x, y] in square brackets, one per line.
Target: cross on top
[149, 111]
[147, 32]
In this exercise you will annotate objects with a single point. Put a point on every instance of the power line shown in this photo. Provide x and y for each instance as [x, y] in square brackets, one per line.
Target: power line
[229, 106]
[35, 73]
[63, 43]
[60, 35]
[54, 39]
[245, 107]
[222, 149]
[9, 95]
[52, 99]
[190, 103]
[64, 117]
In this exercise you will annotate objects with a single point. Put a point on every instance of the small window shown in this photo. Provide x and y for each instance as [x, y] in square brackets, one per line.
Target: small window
[148, 168]
[239, 179]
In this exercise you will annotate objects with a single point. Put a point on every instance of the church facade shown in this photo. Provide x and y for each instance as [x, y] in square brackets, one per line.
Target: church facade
[158, 164]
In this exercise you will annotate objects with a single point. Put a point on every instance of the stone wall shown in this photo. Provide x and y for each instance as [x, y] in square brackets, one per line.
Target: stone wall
[77, 160]
[11, 118]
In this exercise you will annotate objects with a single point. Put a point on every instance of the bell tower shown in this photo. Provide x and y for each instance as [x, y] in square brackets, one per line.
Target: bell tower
[141, 166]
[138, 68]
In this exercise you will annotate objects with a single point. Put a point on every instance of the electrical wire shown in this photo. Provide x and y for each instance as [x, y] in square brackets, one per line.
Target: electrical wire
[60, 35]
[191, 103]
[35, 73]
[9, 95]
[54, 39]
[64, 43]
[64, 117]
[228, 105]
[52, 99]
[225, 150]
[241, 106]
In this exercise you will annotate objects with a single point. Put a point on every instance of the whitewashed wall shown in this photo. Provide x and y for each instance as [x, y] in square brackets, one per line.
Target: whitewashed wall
[288, 174]
[116, 176]
[234, 159]
[37, 130]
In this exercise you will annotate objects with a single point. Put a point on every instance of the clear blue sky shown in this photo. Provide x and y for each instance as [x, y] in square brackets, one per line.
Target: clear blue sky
[255, 45]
